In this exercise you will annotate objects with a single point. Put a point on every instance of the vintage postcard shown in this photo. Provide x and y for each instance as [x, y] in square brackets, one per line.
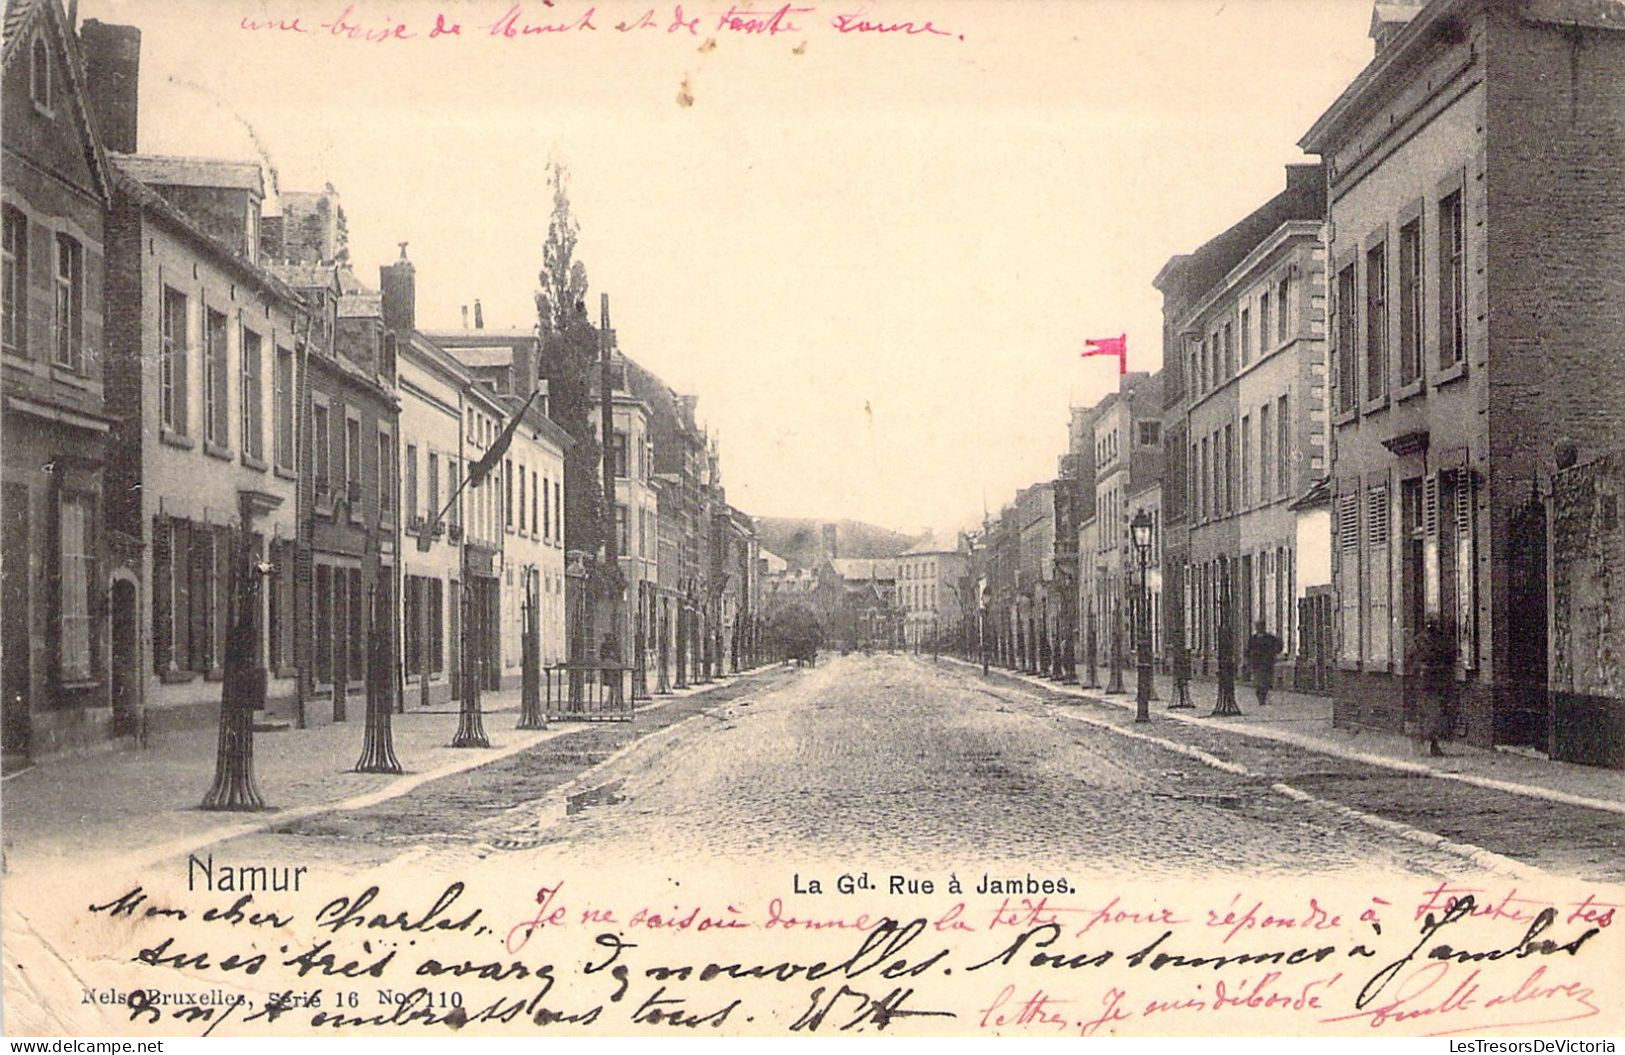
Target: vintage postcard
[631, 518]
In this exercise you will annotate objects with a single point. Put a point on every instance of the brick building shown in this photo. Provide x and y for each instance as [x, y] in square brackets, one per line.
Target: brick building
[66, 678]
[1477, 250]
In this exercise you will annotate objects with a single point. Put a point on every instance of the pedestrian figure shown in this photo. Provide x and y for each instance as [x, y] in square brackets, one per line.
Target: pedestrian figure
[1434, 667]
[1262, 650]
[609, 656]
[1182, 680]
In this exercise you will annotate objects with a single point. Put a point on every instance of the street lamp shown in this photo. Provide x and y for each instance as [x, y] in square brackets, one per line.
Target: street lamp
[1141, 528]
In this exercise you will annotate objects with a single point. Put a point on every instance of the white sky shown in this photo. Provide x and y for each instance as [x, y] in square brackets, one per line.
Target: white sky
[875, 261]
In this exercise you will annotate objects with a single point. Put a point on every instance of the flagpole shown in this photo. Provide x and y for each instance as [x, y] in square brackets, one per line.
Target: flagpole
[428, 531]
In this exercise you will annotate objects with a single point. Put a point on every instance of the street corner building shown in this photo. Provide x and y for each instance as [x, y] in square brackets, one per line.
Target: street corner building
[1476, 245]
[68, 676]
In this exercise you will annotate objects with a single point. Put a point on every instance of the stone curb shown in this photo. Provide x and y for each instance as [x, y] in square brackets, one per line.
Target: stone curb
[403, 785]
[1476, 855]
[1325, 748]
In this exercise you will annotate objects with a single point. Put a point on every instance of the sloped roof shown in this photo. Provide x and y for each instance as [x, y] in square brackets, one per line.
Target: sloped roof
[1319, 494]
[304, 276]
[18, 18]
[159, 206]
[367, 305]
[860, 568]
[171, 171]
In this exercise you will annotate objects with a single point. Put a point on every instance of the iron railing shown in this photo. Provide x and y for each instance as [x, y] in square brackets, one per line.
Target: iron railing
[589, 692]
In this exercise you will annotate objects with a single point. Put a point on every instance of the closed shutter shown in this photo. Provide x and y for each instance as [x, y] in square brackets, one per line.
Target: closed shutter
[225, 569]
[1378, 576]
[182, 533]
[1348, 587]
[1430, 546]
[163, 595]
[1466, 592]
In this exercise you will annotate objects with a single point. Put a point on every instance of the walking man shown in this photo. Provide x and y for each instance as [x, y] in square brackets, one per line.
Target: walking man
[1262, 649]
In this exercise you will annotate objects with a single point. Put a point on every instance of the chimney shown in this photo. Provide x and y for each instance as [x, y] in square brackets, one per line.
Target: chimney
[112, 57]
[1388, 19]
[398, 284]
[479, 316]
[465, 316]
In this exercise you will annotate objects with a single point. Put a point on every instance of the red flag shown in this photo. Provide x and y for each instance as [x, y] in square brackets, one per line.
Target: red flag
[1117, 346]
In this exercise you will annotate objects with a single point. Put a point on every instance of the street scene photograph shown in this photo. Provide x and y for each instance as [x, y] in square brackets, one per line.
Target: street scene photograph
[1041, 518]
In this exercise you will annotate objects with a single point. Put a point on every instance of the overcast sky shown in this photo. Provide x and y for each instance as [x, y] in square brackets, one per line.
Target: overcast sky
[875, 260]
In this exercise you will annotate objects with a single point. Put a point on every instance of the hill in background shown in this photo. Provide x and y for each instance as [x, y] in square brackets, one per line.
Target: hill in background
[800, 540]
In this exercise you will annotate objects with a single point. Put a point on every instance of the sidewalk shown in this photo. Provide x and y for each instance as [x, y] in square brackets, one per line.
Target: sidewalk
[137, 806]
[1305, 721]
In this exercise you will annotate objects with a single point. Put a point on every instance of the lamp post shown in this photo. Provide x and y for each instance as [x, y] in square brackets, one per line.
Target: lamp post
[1141, 528]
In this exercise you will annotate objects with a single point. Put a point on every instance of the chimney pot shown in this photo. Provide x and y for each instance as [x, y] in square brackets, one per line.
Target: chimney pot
[479, 316]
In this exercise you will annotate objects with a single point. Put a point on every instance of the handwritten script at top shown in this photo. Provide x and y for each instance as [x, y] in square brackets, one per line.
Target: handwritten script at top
[552, 19]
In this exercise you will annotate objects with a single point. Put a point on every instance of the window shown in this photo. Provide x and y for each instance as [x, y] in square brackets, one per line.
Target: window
[39, 73]
[1229, 353]
[1229, 469]
[437, 625]
[386, 474]
[1410, 302]
[284, 408]
[1452, 283]
[1263, 322]
[1205, 504]
[455, 513]
[521, 499]
[14, 283]
[1347, 382]
[73, 600]
[507, 495]
[432, 509]
[1246, 336]
[214, 381]
[1192, 488]
[409, 484]
[173, 365]
[535, 525]
[622, 530]
[1376, 321]
[558, 512]
[1283, 302]
[618, 450]
[1266, 466]
[1150, 433]
[253, 437]
[1283, 444]
[1246, 461]
[70, 303]
[319, 440]
[547, 508]
[352, 457]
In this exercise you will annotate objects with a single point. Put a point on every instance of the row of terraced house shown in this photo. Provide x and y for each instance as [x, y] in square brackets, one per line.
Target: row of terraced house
[1390, 397]
[192, 372]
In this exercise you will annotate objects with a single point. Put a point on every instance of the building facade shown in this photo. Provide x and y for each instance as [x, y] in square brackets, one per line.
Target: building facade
[67, 679]
[1477, 245]
[208, 348]
[1244, 341]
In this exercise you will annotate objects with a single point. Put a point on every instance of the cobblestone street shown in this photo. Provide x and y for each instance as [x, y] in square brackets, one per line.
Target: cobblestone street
[874, 757]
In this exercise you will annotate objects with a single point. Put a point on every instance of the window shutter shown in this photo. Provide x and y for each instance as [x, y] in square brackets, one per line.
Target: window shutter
[225, 571]
[1430, 544]
[163, 598]
[202, 597]
[1348, 589]
[1466, 592]
[1378, 577]
[182, 615]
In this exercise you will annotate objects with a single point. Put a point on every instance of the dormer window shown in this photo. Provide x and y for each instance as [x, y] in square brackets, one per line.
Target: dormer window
[39, 74]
